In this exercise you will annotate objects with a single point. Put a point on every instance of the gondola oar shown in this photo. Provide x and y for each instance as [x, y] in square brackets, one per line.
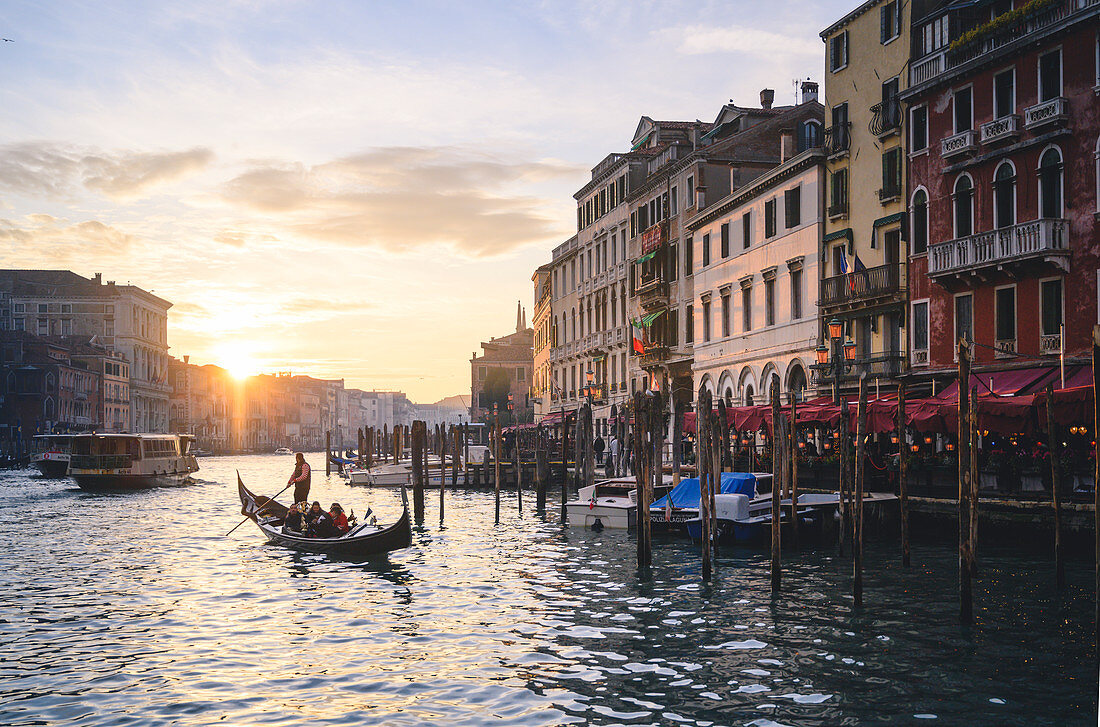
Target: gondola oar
[246, 519]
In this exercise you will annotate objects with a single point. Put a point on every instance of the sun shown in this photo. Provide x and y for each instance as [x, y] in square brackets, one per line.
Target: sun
[238, 361]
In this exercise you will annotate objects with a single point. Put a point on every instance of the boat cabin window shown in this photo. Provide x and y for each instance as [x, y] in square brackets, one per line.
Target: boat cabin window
[160, 448]
[107, 446]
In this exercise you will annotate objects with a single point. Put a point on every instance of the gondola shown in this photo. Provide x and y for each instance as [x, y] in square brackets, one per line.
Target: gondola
[363, 540]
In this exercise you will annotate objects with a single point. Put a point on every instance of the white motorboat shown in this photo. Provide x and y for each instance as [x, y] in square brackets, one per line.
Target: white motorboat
[51, 454]
[389, 474]
[284, 450]
[131, 461]
[609, 504]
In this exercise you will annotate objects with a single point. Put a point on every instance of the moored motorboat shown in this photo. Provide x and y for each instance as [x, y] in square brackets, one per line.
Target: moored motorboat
[284, 450]
[131, 461]
[388, 474]
[51, 454]
[609, 504]
[363, 540]
[681, 504]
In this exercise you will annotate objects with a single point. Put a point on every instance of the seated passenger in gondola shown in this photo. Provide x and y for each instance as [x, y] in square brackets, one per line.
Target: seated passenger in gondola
[293, 523]
[339, 519]
[323, 527]
[313, 513]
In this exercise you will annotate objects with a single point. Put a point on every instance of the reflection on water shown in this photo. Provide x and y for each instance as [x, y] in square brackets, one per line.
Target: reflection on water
[136, 609]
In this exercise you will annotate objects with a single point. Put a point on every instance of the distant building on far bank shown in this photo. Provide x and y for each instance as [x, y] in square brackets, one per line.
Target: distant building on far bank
[504, 367]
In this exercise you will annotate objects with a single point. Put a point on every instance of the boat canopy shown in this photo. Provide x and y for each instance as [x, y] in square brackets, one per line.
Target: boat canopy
[686, 494]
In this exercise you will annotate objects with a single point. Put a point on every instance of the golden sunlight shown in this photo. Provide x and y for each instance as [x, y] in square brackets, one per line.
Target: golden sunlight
[238, 361]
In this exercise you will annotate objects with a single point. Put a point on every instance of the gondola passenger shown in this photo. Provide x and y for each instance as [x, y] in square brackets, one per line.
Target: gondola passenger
[293, 523]
[323, 527]
[339, 519]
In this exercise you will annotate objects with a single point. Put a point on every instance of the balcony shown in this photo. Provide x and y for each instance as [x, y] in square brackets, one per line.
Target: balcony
[1054, 111]
[653, 356]
[961, 143]
[876, 282]
[880, 365]
[886, 119]
[998, 130]
[652, 293]
[1027, 241]
[889, 193]
[1005, 348]
[838, 139]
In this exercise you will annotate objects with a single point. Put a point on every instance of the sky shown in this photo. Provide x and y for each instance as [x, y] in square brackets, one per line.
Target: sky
[357, 190]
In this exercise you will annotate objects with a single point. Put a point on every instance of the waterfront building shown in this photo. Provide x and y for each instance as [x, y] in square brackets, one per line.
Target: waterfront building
[754, 315]
[1004, 183]
[503, 369]
[200, 403]
[542, 324]
[863, 272]
[123, 318]
[113, 374]
[44, 389]
[591, 343]
[690, 166]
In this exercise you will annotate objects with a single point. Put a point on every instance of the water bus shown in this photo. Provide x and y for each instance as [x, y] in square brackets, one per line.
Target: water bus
[51, 454]
[131, 461]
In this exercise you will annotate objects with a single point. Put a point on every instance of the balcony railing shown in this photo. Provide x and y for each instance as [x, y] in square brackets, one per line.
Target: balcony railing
[653, 355]
[961, 143]
[1002, 129]
[881, 365]
[1054, 111]
[870, 283]
[653, 293]
[886, 119]
[838, 209]
[838, 139]
[927, 68]
[1026, 240]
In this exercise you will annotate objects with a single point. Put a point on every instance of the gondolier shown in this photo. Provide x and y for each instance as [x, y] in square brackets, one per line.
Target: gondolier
[300, 478]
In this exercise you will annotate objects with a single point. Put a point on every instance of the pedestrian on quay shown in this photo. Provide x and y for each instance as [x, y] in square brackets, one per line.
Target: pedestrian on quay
[613, 457]
[300, 478]
[598, 447]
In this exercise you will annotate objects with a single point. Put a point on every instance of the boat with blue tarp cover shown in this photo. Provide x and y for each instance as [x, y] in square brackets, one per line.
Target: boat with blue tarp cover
[682, 502]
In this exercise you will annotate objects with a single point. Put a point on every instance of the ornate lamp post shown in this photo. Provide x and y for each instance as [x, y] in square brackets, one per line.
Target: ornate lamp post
[836, 359]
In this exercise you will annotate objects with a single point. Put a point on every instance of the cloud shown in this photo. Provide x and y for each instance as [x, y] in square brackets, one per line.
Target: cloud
[57, 171]
[56, 236]
[699, 39]
[402, 198]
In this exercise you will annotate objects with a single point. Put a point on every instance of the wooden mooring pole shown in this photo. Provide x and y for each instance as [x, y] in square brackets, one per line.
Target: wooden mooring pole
[704, 469]
[444, 436]
[841, 445]
[641, 422]
[328, 453]
[857, 541]
[519, 473]
[777, 483]
[903, 477]
[496, 462]
[540, 474]
[793, 443]
[419, 435]
[1055, 485]
[966, 595]
[656, 472]
[1096, 478]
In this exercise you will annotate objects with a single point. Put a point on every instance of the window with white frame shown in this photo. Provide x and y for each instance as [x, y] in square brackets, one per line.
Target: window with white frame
[963, 109]
[1050, 75]
[1050, 313]
[1050, 183]
[963, 199]
[919, 222]
[1005, 314]
[964, 316]
[1004, 93]
[1004, 195]
[918, 129]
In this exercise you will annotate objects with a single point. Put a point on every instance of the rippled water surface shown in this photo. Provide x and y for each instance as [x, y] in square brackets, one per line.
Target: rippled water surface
[136, 609]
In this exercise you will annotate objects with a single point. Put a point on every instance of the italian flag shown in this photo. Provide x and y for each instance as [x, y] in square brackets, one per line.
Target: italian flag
[636, 327]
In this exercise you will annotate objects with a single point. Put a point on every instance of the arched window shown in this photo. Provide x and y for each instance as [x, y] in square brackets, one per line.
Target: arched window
[964, 206]
[748, 395]
[920, 222]
[809, 135]
[729, 396]
[1004, 196]
[1050, 183]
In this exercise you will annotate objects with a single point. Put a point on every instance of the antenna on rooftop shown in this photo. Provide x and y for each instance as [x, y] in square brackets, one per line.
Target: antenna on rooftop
[796, 83]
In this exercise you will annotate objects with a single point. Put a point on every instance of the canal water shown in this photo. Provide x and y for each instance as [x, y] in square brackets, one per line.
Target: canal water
[136, 609]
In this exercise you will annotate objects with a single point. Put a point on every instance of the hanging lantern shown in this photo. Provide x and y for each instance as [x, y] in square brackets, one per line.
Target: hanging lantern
[893, 439]
[927, 440]
[1073, 430]
[850, 351]
[836, 329]
[915, 447]
[822, 355]
[836, 435]
[950, 446]
[828, 445]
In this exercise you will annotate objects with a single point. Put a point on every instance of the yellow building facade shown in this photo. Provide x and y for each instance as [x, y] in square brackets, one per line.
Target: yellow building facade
[863, 259]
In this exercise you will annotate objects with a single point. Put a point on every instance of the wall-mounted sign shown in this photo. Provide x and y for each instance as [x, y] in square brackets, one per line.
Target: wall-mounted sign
[653, 238]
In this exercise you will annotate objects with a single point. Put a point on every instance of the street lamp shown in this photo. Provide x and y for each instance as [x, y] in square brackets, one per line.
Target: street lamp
[590, 385]
[839, 359]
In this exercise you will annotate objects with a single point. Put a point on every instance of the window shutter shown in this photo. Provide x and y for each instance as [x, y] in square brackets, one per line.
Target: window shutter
[882, 22]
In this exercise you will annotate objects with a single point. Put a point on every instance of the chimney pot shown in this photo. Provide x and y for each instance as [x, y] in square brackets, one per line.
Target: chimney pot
[767, 96]
[809, 91]
[98, 278]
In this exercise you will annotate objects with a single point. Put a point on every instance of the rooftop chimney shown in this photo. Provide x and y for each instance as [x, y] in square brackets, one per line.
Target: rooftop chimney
[767, 96]
[786, 144]
[809, 91]
[97, 278]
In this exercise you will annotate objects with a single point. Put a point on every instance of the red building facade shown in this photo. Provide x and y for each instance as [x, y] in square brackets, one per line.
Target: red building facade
[1004, 147]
